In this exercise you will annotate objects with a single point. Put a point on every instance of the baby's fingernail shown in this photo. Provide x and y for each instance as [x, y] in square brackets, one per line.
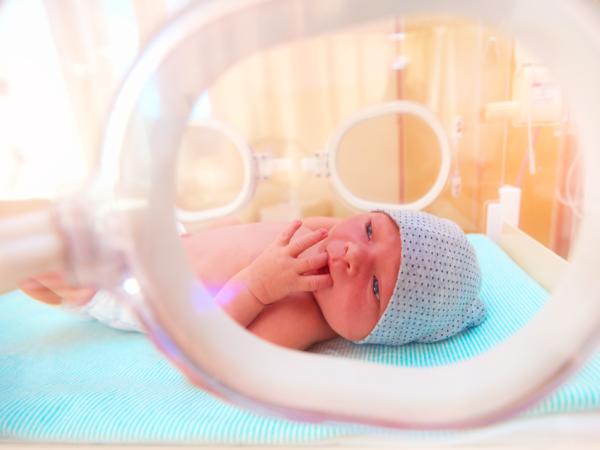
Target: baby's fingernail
[323, 231]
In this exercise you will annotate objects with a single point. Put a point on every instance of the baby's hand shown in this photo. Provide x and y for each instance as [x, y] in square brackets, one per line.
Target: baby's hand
[278, 271]
[54, 289]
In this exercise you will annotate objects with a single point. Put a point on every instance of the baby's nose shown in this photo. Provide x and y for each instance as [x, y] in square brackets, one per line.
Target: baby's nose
[356, 257]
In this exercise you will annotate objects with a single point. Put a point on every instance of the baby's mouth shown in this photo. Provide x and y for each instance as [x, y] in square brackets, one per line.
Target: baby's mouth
[323, 270]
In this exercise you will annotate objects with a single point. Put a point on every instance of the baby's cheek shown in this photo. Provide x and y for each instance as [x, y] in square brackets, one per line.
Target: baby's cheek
[334, 298]
[366, 316]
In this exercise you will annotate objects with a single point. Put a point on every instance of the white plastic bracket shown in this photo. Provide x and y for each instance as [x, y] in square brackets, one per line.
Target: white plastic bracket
[267, 165]
[505, 210]
[317, 164]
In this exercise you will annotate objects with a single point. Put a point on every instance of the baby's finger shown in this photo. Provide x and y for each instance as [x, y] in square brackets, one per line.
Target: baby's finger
[306, 241]
[311, 263]
[76, 297]
[40, 292]
[286, 235]
[314, 282]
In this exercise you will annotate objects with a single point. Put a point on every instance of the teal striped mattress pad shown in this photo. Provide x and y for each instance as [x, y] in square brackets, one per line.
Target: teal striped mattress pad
[64, 379]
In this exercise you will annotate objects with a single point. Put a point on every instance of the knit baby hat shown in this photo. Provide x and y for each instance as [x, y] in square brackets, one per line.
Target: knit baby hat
[437, 290]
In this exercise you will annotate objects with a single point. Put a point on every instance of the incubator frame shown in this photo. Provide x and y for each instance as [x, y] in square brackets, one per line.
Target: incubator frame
[213, 351]
[430, 397]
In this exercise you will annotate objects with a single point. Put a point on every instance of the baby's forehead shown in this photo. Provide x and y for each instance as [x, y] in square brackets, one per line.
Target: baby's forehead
[390, 225]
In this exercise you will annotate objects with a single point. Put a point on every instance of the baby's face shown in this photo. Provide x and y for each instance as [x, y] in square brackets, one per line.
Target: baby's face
[364, 259]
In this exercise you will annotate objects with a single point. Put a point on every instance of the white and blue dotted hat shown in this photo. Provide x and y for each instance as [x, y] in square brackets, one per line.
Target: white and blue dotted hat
[437, 291]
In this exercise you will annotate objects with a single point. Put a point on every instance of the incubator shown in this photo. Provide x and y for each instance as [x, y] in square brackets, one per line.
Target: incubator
[481, 112]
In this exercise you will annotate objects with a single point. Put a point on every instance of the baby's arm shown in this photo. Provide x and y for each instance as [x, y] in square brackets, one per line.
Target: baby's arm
[296, 322]
[273, 275]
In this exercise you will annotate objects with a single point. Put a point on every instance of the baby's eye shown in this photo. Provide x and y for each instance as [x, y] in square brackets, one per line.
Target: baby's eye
[369, 230]
[376, 288]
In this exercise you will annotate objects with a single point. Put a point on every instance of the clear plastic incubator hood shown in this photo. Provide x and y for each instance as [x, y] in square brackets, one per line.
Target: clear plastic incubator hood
[466, 109]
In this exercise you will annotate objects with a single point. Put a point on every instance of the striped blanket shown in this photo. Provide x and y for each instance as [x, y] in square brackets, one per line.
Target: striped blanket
[68, 380]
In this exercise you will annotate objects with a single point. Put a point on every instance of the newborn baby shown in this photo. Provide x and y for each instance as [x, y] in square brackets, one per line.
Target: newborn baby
[385, 277]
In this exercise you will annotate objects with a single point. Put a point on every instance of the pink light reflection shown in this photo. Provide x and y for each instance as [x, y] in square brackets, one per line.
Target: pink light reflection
[204, 294]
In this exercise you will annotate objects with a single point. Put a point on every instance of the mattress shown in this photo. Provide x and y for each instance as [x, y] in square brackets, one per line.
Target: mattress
[64, 379]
